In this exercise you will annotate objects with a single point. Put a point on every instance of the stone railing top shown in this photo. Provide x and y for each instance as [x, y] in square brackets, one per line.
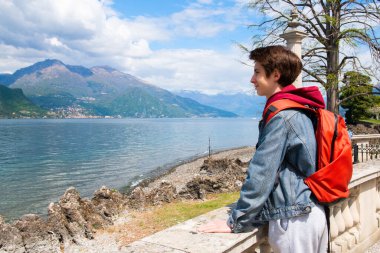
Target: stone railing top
[184, 237]
[364, 172]
[365, 136]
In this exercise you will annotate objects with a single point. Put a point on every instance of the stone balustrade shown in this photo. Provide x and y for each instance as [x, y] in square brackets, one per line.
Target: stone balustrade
[354, 224]
[365, 138]
[365, 147]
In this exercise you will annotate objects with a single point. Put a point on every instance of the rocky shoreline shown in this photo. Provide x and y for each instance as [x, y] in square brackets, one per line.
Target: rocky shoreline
[72, 222]
[364, 128]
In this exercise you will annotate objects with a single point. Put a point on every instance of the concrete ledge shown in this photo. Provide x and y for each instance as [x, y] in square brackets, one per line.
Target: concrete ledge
[364, 172]
[365, 136]
[184, 238]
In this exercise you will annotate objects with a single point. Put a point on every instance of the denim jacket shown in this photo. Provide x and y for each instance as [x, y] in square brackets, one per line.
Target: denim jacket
[274, 187]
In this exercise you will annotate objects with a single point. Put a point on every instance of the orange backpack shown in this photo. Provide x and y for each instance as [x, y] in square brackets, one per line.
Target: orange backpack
[334, 166]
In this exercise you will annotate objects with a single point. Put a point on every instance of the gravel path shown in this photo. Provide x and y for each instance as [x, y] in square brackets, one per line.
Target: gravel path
[182, 174]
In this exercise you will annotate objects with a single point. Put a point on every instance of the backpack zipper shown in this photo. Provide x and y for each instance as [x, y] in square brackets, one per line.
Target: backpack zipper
[334, 138]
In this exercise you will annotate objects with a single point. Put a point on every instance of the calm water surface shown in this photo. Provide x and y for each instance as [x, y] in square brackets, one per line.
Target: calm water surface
[40, 159]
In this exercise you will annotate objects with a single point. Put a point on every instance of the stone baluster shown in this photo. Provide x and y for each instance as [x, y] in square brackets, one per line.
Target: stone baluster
[353, 203]
[334, 231]
[347, 216]
[349, 223]
[339, 218]
[340, 240]
[378, 202]
[378, 194]
[354, 210]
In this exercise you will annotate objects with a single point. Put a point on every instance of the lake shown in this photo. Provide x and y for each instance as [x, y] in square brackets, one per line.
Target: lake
[41, 158]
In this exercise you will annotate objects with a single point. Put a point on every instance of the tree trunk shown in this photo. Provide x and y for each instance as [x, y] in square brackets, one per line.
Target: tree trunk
[332, 79]
[332, 32]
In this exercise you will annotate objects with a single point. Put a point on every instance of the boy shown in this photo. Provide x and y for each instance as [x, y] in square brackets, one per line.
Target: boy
[285, 155]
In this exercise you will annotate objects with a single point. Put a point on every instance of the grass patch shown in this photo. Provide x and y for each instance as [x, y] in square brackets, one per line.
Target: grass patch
[372, 121]
[173, 213]
[144, 223]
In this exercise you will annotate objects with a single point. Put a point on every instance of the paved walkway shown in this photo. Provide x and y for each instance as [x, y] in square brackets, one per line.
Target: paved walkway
[374, 248]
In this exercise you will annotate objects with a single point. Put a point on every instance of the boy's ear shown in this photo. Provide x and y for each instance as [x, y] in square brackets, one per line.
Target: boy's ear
[276, 74]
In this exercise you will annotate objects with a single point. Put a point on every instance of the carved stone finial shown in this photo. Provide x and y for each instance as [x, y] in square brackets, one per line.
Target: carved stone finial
[293, 23]
[293, 38]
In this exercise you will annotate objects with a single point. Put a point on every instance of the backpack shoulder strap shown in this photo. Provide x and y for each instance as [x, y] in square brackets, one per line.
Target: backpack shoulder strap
[272, 109]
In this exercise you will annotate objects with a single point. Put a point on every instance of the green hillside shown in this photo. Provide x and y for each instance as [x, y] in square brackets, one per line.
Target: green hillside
[14, 104]
[138, 103]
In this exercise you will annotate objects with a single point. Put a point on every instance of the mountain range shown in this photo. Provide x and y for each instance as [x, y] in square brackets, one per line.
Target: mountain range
[242, 104]
[67, 91]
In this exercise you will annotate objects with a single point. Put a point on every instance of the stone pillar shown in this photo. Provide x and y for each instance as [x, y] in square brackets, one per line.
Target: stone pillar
[293, 38]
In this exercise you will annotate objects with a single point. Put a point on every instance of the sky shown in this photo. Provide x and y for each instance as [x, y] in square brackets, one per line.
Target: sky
[173, 44]
[176, 45]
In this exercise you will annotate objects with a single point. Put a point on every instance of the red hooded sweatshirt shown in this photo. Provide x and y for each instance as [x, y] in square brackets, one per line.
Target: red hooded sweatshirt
[310, 96]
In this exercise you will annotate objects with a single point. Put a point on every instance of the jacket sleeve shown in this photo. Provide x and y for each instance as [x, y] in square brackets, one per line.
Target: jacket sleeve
[261, 174]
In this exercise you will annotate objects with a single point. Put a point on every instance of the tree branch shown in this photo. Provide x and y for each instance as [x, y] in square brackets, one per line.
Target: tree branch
[357, 95]
[310, 73]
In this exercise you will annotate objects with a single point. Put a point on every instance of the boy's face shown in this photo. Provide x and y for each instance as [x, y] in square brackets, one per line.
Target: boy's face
[265, 86]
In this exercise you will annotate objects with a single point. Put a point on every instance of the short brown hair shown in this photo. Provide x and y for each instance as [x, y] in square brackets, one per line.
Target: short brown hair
[278, 57]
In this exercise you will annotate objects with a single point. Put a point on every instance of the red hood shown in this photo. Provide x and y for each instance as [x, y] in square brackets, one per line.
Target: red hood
[310, 96]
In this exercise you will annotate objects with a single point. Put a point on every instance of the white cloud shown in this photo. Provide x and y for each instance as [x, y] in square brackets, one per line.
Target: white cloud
[205, 21]
[90, 32]
[204, 70]
[54, 41]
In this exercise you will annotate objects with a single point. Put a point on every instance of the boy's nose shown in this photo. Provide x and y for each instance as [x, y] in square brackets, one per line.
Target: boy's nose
[253, 79]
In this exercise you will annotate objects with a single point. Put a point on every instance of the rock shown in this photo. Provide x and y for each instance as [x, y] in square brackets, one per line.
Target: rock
[199, 186]
[221, 175]
[212, 166]
[95, 217]
[364, 128]
[240, 163]
[165, 193]
[109, 202]
[71, 205]
[136, 199]
[36, 236]
[238, 183]
[58, 223]
[377, 128]
[73, 219]
[10, 239]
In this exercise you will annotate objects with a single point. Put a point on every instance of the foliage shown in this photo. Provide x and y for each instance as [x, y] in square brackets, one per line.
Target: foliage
[334, 29]
[372, 121]
[14, 104]
[356, 84]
